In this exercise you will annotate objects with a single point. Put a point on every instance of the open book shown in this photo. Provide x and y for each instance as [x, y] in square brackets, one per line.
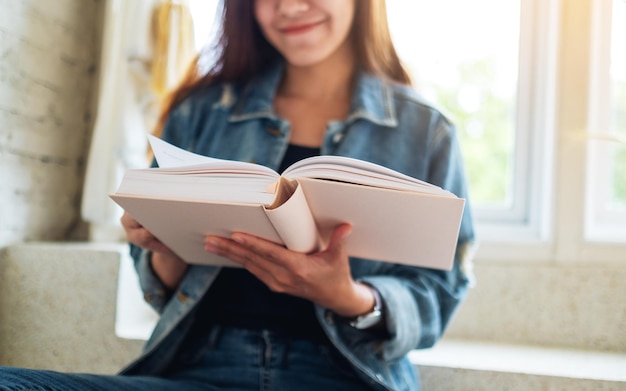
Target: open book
[395, 218]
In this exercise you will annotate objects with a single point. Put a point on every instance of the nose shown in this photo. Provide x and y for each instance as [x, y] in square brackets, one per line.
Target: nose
[292, 7]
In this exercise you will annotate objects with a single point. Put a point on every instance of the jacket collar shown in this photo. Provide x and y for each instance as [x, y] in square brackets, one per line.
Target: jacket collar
[372, 99]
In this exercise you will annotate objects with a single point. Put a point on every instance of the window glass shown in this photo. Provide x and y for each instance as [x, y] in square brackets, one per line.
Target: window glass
[465, 60]
[606, 175]
[617, 198]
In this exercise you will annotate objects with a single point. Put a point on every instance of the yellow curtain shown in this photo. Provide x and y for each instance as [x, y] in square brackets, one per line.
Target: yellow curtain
[174, 44]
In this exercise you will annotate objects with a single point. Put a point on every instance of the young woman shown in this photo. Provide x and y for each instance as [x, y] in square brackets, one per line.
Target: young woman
[294, 78]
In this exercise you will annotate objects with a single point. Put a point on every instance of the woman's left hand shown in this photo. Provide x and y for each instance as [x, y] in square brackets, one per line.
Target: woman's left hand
[322, 277]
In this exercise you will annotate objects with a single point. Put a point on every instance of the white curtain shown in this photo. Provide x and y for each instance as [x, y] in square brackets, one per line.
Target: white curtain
[125, 111]
[146, 46]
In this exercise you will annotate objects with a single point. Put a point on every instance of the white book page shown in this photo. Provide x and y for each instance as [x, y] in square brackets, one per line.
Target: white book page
[358, 172]
[295, 224]
[168, 155]
[175, 160]
[198, 187]
[218, 167]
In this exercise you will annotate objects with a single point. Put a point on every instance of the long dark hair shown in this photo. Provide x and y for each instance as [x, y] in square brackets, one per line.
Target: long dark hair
[241, 51]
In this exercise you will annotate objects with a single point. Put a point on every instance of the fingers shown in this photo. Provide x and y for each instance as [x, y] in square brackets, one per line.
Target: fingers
[245, 249]
[136, 234]
[269, 250]
[268, 261]
[311, 276]
[128, 222]
[338, 238]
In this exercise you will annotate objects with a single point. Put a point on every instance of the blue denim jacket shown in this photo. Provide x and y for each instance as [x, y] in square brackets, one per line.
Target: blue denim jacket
[388, 124]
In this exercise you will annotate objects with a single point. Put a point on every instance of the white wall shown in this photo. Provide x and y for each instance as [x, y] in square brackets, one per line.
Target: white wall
[48, 57]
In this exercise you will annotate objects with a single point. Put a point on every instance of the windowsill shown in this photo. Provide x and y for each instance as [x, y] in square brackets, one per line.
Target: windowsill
[530, 360]
[533, 250]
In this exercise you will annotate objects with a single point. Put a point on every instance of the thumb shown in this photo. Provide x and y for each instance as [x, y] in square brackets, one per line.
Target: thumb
[338, 237]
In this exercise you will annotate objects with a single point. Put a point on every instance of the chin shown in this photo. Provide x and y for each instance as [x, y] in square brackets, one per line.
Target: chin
[306, 59]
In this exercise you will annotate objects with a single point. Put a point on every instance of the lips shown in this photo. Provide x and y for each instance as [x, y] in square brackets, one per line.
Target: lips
[299, 28]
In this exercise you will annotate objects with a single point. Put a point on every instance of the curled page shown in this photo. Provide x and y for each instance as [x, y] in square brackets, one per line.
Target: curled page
[292, 218]
[168, 155]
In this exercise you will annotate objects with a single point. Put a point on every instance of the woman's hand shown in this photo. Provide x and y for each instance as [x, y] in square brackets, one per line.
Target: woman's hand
[138, 235]
[322, 277]
[167, 265]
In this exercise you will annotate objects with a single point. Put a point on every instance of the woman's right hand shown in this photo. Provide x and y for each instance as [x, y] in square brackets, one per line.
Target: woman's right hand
[168, 266]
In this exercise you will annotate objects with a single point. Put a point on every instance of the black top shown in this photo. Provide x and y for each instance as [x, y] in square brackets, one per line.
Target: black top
[237, 298]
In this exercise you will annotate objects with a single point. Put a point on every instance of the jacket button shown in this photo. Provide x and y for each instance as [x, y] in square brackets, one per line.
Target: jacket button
[182, 296]
[337, 137]
[150, 297]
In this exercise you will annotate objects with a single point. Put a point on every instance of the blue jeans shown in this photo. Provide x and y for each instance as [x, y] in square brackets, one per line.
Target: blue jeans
[235, 359]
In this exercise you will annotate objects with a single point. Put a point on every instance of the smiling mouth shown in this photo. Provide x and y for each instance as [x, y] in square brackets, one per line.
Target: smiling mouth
[299, 29]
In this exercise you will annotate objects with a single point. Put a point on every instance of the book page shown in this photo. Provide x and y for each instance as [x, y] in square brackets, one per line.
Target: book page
[168, 155]
[154, 183]
[293, 221]
[175, 160]
[356, 171]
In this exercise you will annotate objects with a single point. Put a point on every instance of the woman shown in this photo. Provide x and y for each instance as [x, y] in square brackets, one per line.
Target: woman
[296, 78]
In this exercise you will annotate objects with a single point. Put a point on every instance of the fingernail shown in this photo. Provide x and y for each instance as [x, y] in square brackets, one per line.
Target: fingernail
[237, 238]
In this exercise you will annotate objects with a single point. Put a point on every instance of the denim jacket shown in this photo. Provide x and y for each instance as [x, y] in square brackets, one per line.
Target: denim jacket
[388, 124]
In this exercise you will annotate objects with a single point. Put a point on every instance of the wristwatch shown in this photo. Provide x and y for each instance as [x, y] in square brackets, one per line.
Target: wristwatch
[373, 317]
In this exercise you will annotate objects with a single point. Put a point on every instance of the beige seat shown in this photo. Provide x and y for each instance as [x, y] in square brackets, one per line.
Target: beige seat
[57, 308]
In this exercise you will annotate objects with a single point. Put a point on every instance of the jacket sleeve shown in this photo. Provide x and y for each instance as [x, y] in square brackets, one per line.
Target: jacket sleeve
[155, 293]
[420, 302]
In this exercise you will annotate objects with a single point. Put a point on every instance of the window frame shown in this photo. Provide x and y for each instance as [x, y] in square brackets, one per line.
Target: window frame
[602, 224]
[562, 191]
[524, 216]
[528, 220]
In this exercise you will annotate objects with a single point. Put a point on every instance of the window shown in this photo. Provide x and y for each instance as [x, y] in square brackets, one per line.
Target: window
[538, 91]
[489, 74]
[606, 174]
[470, 71]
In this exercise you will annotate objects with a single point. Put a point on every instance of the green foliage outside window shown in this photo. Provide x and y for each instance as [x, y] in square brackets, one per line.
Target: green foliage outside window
[619, 126]
[485, 123]
[486, 132]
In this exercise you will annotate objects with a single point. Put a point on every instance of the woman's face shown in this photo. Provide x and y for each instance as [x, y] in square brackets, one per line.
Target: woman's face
[305, 32]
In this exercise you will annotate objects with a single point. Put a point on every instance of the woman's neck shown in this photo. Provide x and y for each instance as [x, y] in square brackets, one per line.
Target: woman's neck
[330, 79]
